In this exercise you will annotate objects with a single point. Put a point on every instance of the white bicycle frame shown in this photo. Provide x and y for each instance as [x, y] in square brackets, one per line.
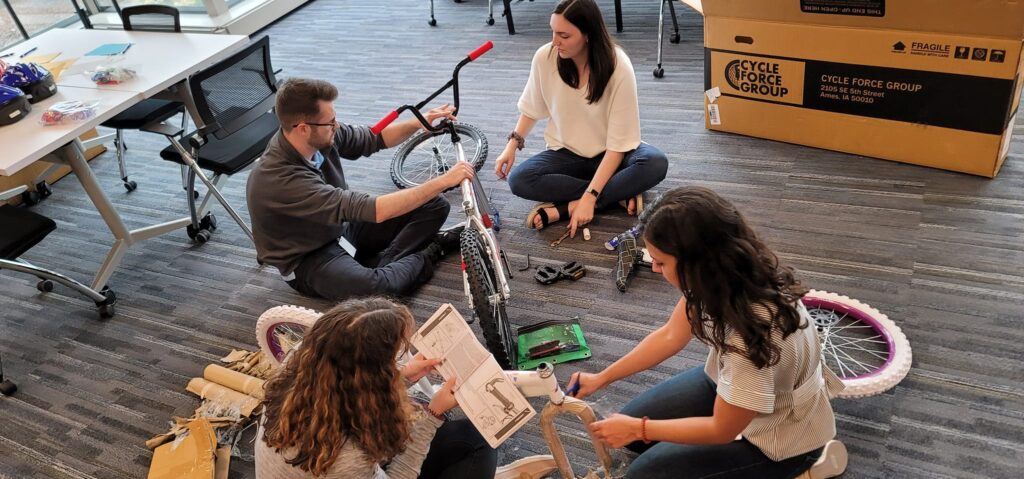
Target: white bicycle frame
[475, 220]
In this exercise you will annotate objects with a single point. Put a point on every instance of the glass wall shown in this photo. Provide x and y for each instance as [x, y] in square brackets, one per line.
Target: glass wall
[35, 16]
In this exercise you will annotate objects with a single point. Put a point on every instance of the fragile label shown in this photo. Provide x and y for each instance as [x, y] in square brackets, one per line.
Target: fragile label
[862, 8]
[713, 116]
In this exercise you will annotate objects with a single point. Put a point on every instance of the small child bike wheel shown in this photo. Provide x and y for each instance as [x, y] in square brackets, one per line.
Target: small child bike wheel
[487, 303]
[865, 348]
[281, 329]
[431, 154]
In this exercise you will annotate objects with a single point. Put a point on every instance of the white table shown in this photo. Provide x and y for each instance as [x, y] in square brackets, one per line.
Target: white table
[163, 60]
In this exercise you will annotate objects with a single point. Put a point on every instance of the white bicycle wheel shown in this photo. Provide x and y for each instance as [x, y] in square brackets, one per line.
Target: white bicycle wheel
[280, 330]
[865, 348]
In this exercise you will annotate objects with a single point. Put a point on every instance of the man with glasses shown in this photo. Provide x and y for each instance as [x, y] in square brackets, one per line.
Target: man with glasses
[326, 239]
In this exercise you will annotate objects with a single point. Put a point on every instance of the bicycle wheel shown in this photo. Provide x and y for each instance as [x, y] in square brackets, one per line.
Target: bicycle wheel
[865, 348]
[280, 330]
[430, 154]
[487, 303]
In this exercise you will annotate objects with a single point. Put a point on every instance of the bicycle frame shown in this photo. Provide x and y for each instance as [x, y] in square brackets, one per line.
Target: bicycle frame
[474, 201]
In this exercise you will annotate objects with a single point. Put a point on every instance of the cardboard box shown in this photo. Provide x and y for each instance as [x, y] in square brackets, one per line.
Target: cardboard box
[929, 82]
[27, 175]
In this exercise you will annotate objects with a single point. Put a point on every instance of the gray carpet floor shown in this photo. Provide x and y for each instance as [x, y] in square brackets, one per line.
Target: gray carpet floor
[941, 253]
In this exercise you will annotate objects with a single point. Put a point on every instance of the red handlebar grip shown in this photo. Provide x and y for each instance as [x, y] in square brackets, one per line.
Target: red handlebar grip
[473, 55]
[384, 122]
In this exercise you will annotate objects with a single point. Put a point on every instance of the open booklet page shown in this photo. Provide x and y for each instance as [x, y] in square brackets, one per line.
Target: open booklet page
[491, 402]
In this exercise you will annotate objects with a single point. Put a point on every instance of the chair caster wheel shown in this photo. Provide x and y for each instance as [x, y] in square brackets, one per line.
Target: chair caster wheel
[30, 198]
[45, 286]
[106, 307]
[490, 21]
[130, 186]
[674, 38]
[8, 388]
[659, 72]
[209, 222]
[202, 236]
[43, 189]
[432, 22]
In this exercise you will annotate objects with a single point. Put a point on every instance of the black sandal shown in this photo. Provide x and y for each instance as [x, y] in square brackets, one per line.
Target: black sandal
[561, 208]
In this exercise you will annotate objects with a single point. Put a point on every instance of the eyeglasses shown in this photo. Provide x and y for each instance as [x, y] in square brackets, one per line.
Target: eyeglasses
[333, 123]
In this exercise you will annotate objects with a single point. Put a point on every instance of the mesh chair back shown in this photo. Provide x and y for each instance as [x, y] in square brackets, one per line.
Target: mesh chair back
[236, 91]
[151, 18]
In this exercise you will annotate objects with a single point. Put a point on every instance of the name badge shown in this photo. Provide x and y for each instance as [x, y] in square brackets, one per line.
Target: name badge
[348, 247]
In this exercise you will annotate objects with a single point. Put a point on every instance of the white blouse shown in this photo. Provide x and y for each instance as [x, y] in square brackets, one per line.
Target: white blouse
[612, 123]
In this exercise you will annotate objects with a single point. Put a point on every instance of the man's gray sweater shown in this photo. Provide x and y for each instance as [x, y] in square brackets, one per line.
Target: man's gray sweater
[296, 208]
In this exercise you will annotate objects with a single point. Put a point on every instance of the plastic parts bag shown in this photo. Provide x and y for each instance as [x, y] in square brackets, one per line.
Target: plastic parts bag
[68, 112]
[107, 75]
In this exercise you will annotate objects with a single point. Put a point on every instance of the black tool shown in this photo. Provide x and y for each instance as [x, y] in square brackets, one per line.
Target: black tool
[7, 388]
[572, 270]
[552, 348]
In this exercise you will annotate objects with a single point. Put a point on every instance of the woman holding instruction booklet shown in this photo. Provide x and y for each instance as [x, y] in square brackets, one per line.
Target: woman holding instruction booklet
[339, 407]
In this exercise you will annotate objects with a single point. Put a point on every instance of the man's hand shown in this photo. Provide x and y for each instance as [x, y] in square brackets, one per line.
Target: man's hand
[418, 367]
[460, 171]
[582, 214]
[618, 430]
[505, 162]
[443, 111]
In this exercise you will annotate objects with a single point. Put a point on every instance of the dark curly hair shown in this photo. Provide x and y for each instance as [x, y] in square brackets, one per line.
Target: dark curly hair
[343, 384]
[730, 279]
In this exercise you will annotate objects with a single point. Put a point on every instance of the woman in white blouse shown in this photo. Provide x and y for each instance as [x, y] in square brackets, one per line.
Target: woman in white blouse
[759, 407]
[584, 85]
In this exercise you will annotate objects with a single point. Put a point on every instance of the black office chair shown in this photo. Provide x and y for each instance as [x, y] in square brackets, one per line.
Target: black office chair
[22, 230]
[235, 101]
[150, 18]
[658, 71]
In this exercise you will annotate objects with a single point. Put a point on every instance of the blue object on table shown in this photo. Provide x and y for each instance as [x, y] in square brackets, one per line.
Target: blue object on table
[109, 49]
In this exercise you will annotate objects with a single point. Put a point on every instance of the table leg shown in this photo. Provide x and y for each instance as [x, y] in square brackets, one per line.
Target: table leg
[74, 154]
[618, 16]
[508, 17]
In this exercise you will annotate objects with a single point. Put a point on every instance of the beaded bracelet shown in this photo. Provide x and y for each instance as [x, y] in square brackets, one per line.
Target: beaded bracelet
[643, 430]
[439, 417]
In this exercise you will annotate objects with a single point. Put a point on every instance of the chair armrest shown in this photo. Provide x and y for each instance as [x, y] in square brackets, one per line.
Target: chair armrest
[11, 193]
[161, 128]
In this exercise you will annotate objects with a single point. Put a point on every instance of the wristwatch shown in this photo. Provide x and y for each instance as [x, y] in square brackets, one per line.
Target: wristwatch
[593, 191]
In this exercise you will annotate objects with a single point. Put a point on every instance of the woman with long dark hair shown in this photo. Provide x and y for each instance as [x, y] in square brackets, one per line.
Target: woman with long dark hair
[338, 408]
[584, 85]
[760, 405]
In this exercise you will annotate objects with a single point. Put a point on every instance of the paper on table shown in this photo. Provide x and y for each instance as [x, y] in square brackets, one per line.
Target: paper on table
[109, 49]
[56, 68]
[491, 402]
[39, 58]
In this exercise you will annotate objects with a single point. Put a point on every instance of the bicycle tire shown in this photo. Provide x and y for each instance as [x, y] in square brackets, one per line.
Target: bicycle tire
[868, 338]
[476, 262]
[408, 168]
[279, 330]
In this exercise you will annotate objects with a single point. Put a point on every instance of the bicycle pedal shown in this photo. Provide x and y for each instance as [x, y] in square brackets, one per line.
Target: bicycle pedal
[573, 270]
[547, 275]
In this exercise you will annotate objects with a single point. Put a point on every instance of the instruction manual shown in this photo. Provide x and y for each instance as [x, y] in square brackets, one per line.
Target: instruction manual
[491, 402]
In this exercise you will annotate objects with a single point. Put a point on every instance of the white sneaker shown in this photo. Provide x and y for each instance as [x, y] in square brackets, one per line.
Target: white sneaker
[831, 463]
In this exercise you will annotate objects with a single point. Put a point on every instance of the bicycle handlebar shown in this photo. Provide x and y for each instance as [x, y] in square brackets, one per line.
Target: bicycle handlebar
[384, 122]
[473, 55]
[454, 82]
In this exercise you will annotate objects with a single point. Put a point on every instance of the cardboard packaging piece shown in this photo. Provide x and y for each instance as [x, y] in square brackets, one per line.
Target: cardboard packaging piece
[240, 382]
[193, 457]
[929, 82]
[213, 391]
